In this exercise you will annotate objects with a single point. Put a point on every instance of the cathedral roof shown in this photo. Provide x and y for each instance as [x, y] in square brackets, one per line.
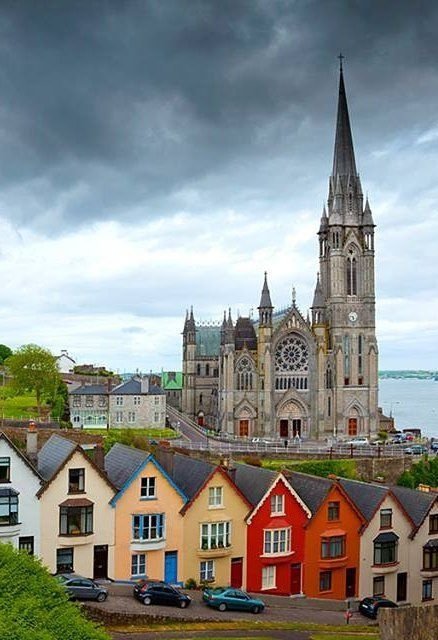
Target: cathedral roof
[245, 334]
[344, 163]
[208, 340]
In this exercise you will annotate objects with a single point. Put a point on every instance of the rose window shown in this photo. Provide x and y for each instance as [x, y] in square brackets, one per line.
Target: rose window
[292, 354]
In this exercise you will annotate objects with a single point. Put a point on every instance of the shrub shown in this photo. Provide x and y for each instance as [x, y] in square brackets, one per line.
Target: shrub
[323, 468]
[253, 460]
[191, 584]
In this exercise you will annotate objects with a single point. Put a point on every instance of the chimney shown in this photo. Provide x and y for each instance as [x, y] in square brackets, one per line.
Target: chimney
[144, 384]
[99, 456]
[164, 456]
[227, 465]
[32, 442]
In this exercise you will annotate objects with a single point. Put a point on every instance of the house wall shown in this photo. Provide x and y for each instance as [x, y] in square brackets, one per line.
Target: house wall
[234, 510]
[349, 522]
[151, 412]
[417, 575]
[401, 526]
[27, 483]
[169, 502]
[96, 490]
[295, 517]
[88, 410]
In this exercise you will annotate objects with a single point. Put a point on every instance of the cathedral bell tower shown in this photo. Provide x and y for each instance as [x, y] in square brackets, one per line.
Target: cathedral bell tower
[344, 302]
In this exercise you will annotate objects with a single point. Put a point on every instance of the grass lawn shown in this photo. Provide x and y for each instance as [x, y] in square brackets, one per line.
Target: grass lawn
[321, 631]
[17, 407]
[155, 434]
[343, 468]
[348, 635]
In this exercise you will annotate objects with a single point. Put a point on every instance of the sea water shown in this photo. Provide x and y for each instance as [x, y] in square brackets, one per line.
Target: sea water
[412, 402]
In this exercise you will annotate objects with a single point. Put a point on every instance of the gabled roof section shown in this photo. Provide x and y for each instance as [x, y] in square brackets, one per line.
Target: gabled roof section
[252, 481]
[172, 380]
[312, 489]
[53, 454]
[122, 461]
[416, 504]
[344, 163]
[367, 497]
[189, 474]
[21, 455]
[280, 478]
[133, 388]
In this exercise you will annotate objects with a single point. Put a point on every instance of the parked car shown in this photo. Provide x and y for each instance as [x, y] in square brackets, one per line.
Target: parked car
[358, 441]
[260, 441]
[370, 606]
[224, 598]
[434, 446]
[158, 592]
[399, 438]
[416, 450]
[80, 588]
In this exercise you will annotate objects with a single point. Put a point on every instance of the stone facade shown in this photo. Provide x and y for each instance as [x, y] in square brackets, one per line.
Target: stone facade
[291, 374]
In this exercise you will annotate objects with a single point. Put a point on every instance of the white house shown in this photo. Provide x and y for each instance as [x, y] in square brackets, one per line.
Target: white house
[19, 504]
[65, 362]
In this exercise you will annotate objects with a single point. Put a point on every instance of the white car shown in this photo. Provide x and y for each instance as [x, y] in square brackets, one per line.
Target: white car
[260, 441]
[359, 441]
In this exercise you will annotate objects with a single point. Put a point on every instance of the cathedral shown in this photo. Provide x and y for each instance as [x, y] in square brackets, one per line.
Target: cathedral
[288, 374]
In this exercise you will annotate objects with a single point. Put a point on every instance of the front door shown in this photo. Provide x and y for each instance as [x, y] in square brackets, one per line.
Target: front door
[236, 572]
[100, 566]
[295, 579]
[284, 428]
[171, 567]
[296, 428]
[352, 426]
[350, 583]
[243, 428]
[201, 420]
[402, 587]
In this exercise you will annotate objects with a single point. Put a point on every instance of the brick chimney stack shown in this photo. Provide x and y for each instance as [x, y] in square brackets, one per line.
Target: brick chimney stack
[32, 442]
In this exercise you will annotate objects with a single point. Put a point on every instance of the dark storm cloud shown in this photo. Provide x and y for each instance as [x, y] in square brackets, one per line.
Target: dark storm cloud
[127, 109]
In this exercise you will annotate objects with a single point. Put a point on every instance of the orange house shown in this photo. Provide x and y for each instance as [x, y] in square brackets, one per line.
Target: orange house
[332, 545]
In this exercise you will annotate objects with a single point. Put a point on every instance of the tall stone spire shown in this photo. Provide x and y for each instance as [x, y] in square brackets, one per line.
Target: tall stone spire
[265, 300]
[344, 163]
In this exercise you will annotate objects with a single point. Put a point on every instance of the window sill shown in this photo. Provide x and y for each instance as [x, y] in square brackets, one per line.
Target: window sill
[216, 507]
[427, 599]
[276, 515]
[76, 492]
[274, 586]
[5, 482]
[75, 535]
[148, 499]
[390, 567]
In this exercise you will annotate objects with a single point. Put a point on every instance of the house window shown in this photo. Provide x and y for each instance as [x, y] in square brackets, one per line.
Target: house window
[8, 507]
[333, 511]
[430, 557]
[276, 541]
[137, 400]
[76, 480]
[76, 401]
[277, 505]
[119, 401]
[26, 543]
[206, 571]
[156, 417]
[148, 488]
[131, 416]
[138, 564]
[426, 590]
[215, 535]
[102, 401]
[379, 586]
[5, 469]
[325, 581]
[198, 369]
[385, 552]
[433, 523]
[88, 401]
[64, 560]
[119, 416]
[269, 577]
[215, 496]
[75, 521]
[385, 518]
[157, 400]
[333, 547]
[148, 527]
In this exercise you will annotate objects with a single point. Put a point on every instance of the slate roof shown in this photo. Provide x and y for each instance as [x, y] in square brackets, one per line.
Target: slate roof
[365, 496]
[189, 474]
[311, 489]
[122, 461]
[416, 503]
[252, 481]
[20, 454]
[133, 388]
[90, 390]
[208, 340]
[53, 454]
[245, 335]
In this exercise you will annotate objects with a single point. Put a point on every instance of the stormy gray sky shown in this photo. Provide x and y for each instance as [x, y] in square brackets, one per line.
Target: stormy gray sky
[157, 154]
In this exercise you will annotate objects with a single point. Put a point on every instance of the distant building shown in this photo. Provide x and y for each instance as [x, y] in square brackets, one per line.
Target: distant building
[65, 362]
[172, 383]
[89, 406]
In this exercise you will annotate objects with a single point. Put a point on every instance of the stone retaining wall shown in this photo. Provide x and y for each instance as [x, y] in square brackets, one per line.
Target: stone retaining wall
[409, 623]
[119, 619]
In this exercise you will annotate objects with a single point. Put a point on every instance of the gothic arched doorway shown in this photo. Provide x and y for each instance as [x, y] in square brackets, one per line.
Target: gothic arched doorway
[292, 420]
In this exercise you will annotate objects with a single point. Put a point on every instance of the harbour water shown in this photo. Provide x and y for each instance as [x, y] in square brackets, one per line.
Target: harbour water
[412, 402]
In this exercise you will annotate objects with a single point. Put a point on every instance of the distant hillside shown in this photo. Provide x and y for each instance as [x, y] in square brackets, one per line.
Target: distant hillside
[410, 373]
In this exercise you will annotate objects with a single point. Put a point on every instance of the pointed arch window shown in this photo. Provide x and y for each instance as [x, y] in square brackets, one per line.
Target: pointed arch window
[351, 275]
[346, 349]
[244, 375]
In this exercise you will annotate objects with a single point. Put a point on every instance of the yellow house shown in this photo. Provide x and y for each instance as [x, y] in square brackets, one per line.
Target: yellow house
[76, 518]
[214, 527]
[148, 522]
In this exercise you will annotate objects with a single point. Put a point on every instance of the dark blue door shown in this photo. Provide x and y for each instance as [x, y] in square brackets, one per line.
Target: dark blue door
[171, 567]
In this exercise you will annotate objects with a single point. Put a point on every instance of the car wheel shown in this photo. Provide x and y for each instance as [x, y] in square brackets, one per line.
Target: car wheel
[147, 600]
[256, 609]
[183, 604]
[222, 606]
[101, 597]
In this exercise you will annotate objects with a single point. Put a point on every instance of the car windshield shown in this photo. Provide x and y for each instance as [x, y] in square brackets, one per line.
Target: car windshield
[217, 591]
[62, 579]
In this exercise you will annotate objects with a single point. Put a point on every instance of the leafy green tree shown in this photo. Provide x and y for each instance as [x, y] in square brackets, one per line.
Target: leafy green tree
[423, 472]
[33, 368]
[5, 352]
[34, 606]
[60, 406]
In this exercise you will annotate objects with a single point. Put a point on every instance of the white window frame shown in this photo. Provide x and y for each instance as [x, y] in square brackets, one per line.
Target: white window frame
[137, 400]
[119, 417]
[138, 562]
[149, 488]
[156, 417]
[119, 401]
[157, 399]
[269, 577]
[206, 571]
[277, 504]
[131, 416]
[218, 535]
[277, 542]
[215, 497]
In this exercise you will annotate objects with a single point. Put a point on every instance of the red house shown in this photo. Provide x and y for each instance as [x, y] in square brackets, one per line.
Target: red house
[275, 532]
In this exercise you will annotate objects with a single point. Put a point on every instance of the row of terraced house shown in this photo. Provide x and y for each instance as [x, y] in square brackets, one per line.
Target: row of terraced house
[169, 516]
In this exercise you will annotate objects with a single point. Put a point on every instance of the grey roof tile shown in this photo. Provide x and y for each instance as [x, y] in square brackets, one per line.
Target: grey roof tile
[122, 461]
[252, 481]
[189, 474]
[90, 389]
[133, 387]
[365, 496]
[311, 489]
[53, 454]
[416, 503]
[208, 340]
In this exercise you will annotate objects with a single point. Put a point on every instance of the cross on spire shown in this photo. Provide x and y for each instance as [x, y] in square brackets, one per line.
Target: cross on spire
[341, 57]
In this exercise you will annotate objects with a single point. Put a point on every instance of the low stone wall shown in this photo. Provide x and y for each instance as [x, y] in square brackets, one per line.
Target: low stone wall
[118, 619]
[409, 623]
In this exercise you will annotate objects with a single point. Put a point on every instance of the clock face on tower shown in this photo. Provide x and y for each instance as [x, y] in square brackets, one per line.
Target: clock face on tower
[352, 316]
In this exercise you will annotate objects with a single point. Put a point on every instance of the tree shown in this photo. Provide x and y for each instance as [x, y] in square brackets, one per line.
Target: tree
[33, 368]
[423, 472]
[34, 606]
[5, 352]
